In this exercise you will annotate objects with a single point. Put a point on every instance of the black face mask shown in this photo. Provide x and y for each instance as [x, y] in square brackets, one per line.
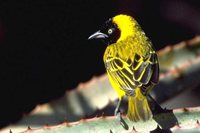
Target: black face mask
[112, 32]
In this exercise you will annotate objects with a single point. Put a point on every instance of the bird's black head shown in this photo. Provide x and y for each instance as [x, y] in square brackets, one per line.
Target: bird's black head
[109, 33]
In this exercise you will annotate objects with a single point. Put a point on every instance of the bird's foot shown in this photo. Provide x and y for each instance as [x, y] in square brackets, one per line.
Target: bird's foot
[121, 120]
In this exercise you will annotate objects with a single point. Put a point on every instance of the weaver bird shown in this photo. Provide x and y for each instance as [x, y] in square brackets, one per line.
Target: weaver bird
[131, 64]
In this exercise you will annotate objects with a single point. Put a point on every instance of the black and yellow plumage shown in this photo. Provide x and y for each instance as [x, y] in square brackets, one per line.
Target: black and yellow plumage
[131, 63]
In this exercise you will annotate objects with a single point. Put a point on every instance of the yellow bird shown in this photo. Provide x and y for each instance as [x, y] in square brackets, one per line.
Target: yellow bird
[131, 64]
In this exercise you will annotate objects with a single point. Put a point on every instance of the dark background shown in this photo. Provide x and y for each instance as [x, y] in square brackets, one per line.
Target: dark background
[44, 49]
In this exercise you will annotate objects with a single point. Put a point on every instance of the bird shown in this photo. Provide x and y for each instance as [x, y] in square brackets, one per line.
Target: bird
[131, 64]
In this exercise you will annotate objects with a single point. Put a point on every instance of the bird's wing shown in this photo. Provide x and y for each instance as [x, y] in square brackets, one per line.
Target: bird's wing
[134, 72]
[145, 70]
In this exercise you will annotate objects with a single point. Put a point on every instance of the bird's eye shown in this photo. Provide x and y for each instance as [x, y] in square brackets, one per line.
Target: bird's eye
[110, 31]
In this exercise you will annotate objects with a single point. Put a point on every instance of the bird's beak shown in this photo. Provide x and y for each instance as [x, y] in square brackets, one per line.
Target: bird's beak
[98, 35]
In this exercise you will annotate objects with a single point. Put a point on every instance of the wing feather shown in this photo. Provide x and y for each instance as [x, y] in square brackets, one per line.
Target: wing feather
[134, 72]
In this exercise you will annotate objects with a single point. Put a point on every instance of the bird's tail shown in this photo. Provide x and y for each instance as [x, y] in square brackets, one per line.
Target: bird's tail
[138, 107]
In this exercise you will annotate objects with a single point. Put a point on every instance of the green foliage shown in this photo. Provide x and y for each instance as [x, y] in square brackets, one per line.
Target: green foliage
[178, 121]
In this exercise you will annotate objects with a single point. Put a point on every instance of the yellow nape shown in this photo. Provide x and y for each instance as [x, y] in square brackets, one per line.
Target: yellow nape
[126, 25]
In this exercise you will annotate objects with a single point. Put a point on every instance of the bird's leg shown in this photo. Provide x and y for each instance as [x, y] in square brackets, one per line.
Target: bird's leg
[118, 115]
[117, 111]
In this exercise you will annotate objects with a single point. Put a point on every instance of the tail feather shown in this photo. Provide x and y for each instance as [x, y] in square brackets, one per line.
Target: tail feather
[138, 107]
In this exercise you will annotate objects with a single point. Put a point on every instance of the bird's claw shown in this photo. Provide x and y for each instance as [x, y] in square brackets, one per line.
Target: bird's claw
[121, 120]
